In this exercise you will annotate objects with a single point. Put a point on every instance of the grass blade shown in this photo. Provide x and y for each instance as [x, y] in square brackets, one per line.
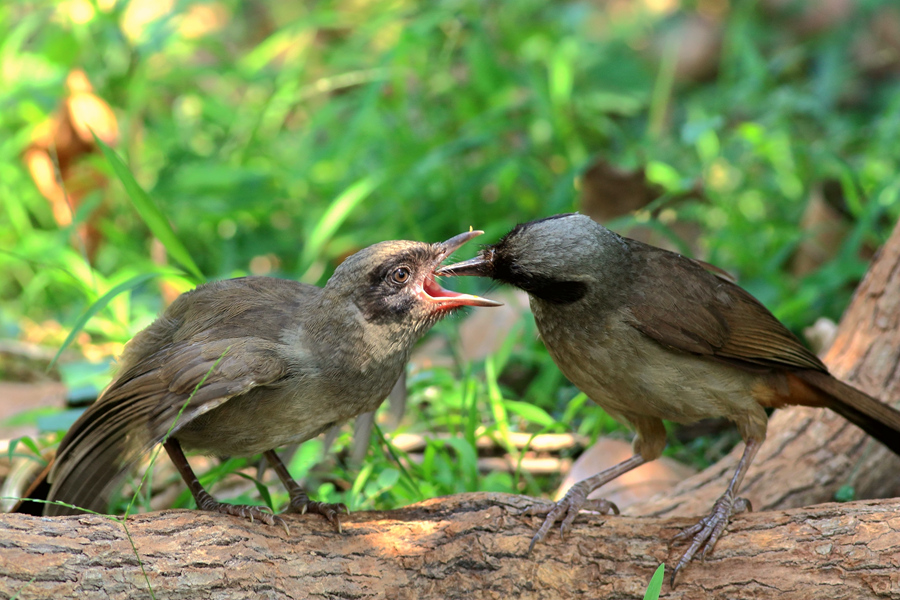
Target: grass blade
[150, 212]
[336, 214]
[99, 305]
[655, 585]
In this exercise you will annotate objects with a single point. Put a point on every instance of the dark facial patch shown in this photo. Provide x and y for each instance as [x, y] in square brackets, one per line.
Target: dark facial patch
[381, 299]
[557, 291]
[506, 269]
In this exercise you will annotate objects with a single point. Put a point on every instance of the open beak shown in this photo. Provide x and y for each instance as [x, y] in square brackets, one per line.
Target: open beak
[453, 244]
[433, 292]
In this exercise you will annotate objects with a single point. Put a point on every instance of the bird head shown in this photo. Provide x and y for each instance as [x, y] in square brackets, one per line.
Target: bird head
[393, 283]
[553, 259]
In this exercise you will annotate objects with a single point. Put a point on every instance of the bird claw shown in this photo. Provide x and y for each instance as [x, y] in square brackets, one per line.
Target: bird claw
[332, 512]
[538, 510]
[245, 511]
[567, 509]
[706, 532]
[601, 505]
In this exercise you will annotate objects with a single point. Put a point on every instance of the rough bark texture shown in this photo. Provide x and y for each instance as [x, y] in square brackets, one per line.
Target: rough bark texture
[811, 453]
[465, 546]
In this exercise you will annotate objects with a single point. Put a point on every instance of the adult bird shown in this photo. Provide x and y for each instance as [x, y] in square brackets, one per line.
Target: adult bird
[243, 366]
[651, 335]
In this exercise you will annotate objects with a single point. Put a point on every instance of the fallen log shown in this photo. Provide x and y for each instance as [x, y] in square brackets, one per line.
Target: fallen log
[465, 546]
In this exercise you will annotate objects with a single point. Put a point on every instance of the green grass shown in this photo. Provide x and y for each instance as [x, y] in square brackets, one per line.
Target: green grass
[300, 133]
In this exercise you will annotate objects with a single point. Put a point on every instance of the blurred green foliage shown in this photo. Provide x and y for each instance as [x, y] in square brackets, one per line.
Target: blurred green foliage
[289, 135]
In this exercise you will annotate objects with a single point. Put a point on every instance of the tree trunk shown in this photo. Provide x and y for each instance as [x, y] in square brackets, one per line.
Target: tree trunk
[466, 546]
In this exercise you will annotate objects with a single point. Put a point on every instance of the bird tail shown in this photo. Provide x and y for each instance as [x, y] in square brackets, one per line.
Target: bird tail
[93, 458]
[869, 414]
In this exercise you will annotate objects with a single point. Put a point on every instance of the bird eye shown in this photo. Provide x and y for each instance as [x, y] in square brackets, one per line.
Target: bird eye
[400, 275]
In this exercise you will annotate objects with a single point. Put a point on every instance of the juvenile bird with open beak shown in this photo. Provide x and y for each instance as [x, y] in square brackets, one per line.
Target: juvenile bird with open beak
[650, 335]
[244, 366]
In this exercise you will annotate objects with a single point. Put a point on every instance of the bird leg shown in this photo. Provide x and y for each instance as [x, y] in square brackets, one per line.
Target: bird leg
[205, 501]
[707, 531]
[576, 499]
[300, 502]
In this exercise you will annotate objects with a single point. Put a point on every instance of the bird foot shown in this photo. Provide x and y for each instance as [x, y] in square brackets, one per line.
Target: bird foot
[332, 512]
[242, 510]
[567, 509]
[706, 531]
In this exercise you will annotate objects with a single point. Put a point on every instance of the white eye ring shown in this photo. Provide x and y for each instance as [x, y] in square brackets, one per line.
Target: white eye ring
[401, 275]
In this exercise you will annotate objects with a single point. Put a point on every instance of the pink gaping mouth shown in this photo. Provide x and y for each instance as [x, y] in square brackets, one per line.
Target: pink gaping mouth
[433, 292]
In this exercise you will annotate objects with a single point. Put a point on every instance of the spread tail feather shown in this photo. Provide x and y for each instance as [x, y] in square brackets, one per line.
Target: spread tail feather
[869, 414]
[110, 438]
[88, 485]
[93, 459]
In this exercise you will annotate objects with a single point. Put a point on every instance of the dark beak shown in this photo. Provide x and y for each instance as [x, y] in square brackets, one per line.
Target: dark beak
[446, 298]
[478, 267]
[452, 245]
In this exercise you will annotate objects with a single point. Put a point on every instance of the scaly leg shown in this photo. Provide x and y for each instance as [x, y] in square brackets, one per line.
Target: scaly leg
[300, 502]
[205, 501]
[576, 499]
[707, 531]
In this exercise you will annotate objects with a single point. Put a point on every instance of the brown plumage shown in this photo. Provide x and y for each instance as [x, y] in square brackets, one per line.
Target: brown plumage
[652, 335]
[243, 366]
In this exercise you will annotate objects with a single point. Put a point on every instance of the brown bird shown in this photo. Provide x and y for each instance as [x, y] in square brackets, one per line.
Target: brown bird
[650, 335]
[243, 366]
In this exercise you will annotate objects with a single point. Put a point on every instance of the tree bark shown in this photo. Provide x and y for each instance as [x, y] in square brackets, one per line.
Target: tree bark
[469, 546]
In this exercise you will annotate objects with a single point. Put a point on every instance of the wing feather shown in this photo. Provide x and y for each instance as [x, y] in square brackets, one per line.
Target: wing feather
[705, 314]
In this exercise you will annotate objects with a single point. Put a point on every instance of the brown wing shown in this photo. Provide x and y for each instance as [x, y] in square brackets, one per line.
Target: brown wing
[697, 311]
[209, 344]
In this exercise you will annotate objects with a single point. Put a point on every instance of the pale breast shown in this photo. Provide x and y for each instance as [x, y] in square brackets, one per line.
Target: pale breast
[626, 373]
